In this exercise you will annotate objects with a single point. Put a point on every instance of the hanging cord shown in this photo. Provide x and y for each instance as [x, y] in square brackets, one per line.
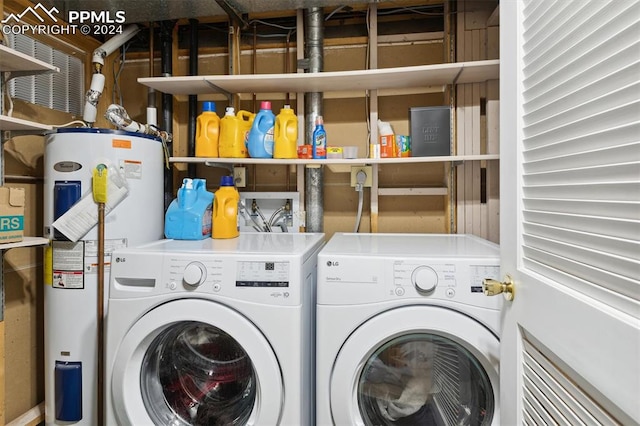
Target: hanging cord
[361, 178]
[80, 122]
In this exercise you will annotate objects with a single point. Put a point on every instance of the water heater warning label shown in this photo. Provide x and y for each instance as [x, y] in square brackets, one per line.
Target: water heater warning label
[131, 169]
[67, 265]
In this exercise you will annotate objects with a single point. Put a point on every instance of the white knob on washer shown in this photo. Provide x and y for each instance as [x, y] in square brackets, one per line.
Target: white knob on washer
[194, 274]
[424, 278]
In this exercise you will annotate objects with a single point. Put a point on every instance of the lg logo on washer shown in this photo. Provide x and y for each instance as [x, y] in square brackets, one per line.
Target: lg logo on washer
[333, 263]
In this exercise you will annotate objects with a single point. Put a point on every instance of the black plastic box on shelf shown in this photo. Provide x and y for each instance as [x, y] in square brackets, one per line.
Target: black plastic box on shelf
[430, 131]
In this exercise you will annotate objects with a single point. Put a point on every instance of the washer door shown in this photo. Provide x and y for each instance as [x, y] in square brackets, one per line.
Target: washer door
[417, 365]
[194, 362]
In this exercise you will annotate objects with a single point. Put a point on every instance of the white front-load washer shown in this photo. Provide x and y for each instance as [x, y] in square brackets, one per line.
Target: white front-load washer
[212, 332]
[404, 333]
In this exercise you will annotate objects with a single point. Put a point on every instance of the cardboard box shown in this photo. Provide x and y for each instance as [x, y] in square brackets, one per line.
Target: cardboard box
[430, 131]
[11, 214]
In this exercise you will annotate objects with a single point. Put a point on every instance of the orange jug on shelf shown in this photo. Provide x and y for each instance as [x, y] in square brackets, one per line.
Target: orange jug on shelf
[286, 134]
[207, 131]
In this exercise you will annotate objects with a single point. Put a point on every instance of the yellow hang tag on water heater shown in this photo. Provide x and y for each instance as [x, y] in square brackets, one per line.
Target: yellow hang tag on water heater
[100, 184]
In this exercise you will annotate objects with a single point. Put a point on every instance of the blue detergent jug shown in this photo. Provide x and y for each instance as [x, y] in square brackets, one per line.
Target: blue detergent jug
[260, 142]
[189, 216]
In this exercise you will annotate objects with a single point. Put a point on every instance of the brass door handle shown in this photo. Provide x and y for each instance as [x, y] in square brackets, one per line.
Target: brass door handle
[491, 287]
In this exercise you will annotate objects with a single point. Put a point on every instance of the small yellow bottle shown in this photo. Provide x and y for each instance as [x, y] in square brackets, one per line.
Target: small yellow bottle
[286, 134]
[245, 121]
[207, 131]
[230, 134]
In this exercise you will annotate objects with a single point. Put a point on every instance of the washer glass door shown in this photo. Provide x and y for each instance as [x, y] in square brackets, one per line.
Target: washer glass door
[424, 379]
[195, 374]
[194, 362]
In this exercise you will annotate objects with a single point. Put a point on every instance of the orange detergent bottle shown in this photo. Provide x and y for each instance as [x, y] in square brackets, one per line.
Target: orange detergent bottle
[286, 134]
[207, 131]
[225, 210]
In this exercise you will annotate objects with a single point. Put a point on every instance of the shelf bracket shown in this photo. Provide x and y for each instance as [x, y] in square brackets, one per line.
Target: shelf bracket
[234, 15]
[227, 166]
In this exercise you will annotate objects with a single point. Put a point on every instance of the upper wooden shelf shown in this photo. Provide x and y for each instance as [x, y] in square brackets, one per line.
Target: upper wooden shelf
[20, 125]
[420, 78]
[19, 64]
[354, 161]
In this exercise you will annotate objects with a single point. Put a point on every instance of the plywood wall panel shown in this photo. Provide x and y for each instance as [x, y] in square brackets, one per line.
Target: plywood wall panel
[23, 340]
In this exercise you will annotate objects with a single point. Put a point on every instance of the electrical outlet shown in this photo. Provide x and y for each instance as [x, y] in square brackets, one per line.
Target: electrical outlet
[368, 171]
[240, 176]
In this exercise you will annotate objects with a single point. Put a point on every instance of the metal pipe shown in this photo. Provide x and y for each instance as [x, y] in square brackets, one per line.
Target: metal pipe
[166, 54]
[100, 309]
[314, 199]
[254, 62]
[152, 112]
[314, 176]
[193, 99]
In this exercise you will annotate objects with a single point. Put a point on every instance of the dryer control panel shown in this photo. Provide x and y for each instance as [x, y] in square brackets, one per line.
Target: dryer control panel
[350, 280]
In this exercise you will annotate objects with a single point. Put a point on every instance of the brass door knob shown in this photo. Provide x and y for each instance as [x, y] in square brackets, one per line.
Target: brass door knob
[491, 287]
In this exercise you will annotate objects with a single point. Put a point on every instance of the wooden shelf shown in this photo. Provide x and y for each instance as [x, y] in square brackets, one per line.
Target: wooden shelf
[18, 124]
[26, 242]
[335, 83]
[19, 64]
[354, 161]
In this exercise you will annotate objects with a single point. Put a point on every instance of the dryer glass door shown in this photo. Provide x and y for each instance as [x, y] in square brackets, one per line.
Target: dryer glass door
[424, 379]
[417, 365]
[195, 373]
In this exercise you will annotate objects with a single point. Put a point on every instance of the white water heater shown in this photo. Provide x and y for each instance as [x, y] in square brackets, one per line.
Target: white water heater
[71, 268]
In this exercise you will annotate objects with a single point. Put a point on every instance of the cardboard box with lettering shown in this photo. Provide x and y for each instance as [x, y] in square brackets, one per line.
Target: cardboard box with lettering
[11, 214]
[430, 131]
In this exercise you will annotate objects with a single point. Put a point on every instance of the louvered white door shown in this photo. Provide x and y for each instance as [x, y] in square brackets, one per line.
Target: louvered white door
[570, 211]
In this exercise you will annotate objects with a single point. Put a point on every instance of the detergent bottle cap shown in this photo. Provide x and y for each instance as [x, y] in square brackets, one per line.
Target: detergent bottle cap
[230, 111]
[209, 106]
[265, 105]
[187, 183]
[319, 120]
[226, 181]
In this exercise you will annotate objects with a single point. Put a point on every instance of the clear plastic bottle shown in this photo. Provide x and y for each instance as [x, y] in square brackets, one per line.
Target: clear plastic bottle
[319, 139]
[225, 210]
[207, 131]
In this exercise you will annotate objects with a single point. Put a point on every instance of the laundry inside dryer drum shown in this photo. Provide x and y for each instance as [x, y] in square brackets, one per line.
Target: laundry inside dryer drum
[196, 374]
[424, 379]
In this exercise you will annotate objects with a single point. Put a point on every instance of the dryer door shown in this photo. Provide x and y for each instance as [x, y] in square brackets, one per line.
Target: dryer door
[191, 362]
[417, 365]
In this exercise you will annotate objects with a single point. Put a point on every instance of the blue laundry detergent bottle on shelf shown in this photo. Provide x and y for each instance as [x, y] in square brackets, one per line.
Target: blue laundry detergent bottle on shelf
[189, 216]
[260, 142]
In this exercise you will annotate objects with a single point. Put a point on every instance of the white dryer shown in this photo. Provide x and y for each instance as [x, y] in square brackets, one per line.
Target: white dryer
[213, 332]
[404, 334]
